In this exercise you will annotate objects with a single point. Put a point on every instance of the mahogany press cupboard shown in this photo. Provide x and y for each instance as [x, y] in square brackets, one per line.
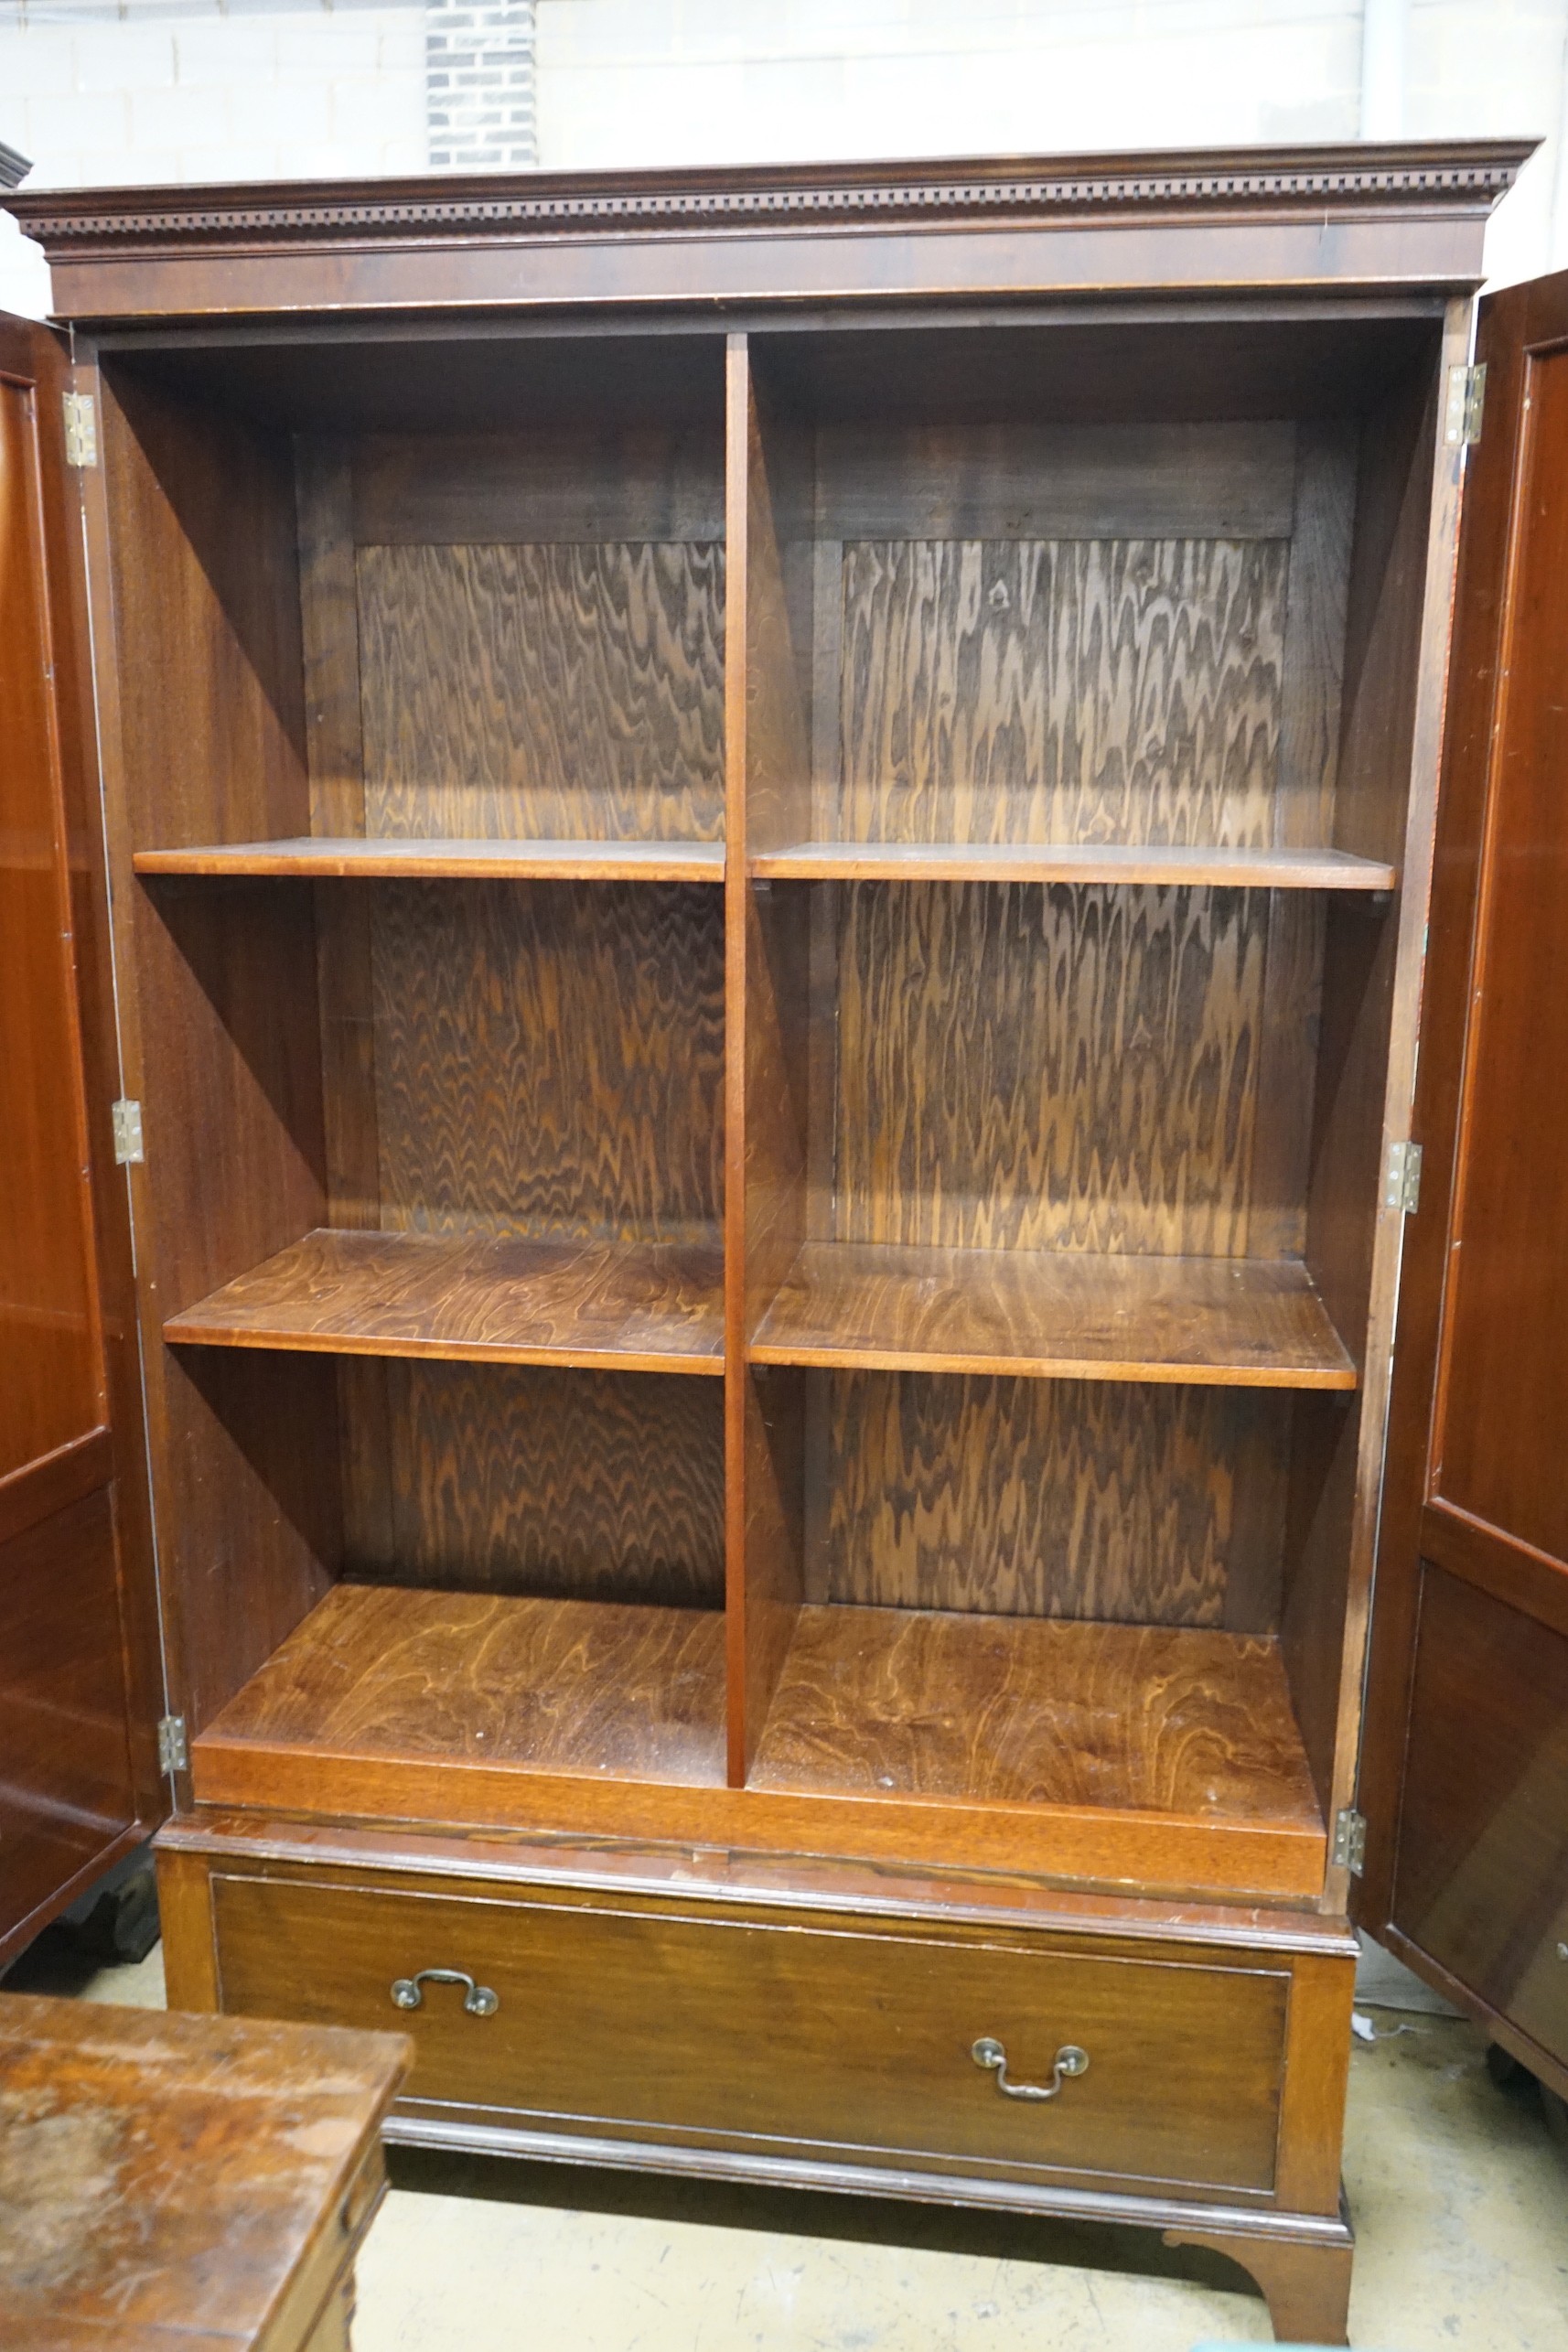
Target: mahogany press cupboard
[767, 838]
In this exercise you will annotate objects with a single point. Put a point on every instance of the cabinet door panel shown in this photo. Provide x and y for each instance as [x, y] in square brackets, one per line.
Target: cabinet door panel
[1465, 1777]
[70, 1648]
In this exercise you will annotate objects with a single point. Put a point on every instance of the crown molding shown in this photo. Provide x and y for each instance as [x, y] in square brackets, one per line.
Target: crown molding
[14, 167]
[1450, 177]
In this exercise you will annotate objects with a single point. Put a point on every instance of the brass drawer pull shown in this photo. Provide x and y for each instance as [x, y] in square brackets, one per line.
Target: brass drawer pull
[1070, 2060]
[478, 2000]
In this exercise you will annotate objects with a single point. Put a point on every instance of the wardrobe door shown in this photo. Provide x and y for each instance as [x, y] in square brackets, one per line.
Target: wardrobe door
[79, 1688]
[1464, 1773]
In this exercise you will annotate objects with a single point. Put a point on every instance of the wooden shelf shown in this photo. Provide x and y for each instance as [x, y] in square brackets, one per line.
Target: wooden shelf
[428, 861]
[1239, 869]
[891, 1704]
[1228, 1322]
[498, 1299]
[390, 1673]
[1164, 1755]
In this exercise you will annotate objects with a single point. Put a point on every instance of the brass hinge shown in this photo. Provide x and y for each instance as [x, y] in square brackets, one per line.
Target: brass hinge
[172, 1756]
[1402, 1189]
[1466, 399]
[1349, 1842]
[127, 1117]
[80, 429]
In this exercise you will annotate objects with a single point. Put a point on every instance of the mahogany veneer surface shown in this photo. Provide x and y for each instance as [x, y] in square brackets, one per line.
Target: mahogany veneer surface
[522, 861]
[1068, 1315]
[1021, 1711]
[494, 1298]
[552, 1686]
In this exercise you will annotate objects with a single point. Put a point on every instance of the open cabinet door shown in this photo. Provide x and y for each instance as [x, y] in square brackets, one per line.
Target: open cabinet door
[1465, 1772]
[80, 1682]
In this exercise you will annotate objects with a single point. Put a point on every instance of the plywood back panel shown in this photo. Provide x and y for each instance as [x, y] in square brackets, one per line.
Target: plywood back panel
[1033, 1067]
[561, 484]
[1035, 481]
[1156, 1506]
[484, 1477]
[548, 1056]
[1114, 690]
[542, 691]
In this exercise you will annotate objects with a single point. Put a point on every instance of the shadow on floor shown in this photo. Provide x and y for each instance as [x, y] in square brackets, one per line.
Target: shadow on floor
[814, 2213]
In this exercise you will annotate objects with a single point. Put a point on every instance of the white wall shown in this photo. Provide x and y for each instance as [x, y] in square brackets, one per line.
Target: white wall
[723, 80]
[176, 90]
[271, 93]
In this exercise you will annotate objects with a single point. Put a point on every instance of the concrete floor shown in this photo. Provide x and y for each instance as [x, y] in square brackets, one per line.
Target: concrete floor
[1459, 2191]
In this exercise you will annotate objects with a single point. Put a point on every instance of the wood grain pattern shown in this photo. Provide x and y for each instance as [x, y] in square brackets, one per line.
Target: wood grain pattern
[1020, 480]
[768, 686]
[1400, 613]
[809, 2031]
[64, 1782]
[1254, 1322]
[251, 1513]
[582, 1486]
[480, 1297]
[552, 484]
[1113, 862]
[1066, 690]
[1305, 2285]
[1013, 1711]
[182, 2181]
[204, 549]
[549, 1058]
[53, 1386]
[1482, 1881]
[520, 861]
[1314, 651]
[329, 621]
[1042, 1498]
[555, 692]
[1059, 1067]
[200, 666]
[570, 1687]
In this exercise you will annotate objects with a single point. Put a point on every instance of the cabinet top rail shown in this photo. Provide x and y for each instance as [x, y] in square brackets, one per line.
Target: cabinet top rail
[1409, 215]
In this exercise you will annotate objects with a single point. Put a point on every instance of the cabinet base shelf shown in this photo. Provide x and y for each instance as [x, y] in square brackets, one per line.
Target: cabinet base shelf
[599, 1719]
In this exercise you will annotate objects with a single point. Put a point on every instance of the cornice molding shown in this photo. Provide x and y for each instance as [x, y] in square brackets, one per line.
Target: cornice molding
[14, 167]
[1448, 177]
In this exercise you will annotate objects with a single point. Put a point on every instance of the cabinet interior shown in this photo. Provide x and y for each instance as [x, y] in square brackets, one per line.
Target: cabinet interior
[1058, 877]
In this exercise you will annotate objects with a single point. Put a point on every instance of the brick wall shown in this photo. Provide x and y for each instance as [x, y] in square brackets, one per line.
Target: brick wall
[478, 82]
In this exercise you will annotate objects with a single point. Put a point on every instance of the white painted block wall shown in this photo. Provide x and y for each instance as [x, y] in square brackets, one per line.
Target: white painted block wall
[298, 93]
[269, 90]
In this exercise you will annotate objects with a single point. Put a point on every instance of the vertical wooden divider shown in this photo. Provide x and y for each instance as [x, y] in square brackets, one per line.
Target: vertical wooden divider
[334, 737]
[769, 501]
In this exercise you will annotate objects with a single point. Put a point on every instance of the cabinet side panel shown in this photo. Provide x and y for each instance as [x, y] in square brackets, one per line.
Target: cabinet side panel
[1396, 655]
[193, 515]
[206, 583]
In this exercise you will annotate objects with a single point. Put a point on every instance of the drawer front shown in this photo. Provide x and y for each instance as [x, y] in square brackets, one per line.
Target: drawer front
[657, 2020]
